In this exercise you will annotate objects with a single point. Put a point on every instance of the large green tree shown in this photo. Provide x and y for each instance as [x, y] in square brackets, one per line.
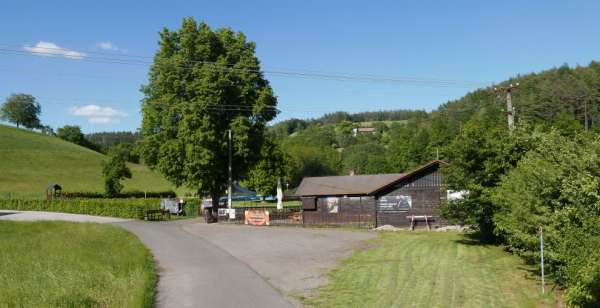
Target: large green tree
[263, 176]
[71, 133]
[204, 82]
[367, 158]
[304, 160]
[479, 156]
[21, 109]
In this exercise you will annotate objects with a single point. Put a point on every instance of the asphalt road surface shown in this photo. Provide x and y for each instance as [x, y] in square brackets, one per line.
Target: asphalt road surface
[35, 215]
[218, 265]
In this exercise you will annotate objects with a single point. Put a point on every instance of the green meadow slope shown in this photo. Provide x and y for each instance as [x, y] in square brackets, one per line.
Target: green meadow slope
[29, 161]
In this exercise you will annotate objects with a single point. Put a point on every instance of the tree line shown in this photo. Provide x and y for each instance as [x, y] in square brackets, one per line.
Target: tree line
[288, 127]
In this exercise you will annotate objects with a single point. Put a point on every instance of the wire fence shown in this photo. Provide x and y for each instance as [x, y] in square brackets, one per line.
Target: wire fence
[355, 220]
[297, 217]
[286, 216]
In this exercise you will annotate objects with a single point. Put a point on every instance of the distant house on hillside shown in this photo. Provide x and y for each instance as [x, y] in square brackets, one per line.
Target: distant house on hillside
[363, 131]
[399, 199]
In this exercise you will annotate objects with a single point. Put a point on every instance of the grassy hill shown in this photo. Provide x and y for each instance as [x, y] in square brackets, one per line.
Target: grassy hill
[29, 161]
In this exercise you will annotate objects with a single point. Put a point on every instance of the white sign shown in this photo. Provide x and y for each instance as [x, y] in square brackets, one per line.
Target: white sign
[452, 195]
[231, 213]
[279, 195]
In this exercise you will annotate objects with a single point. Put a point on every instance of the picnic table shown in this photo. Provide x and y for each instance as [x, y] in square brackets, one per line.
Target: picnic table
[415, 218]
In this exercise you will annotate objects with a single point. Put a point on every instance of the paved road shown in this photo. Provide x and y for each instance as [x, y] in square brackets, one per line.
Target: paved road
[217, 265]
[293, 259]
[34, 215]
[195, 273]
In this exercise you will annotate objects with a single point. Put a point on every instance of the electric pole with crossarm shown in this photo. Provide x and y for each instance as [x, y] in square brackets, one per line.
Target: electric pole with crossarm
[510, 111]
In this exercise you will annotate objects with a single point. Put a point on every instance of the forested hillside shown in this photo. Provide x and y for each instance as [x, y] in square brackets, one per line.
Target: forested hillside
[107, 139]
[564, 97]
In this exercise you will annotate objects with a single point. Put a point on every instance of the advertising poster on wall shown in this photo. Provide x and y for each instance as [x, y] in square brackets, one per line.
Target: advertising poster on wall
[333, 204]
[395, 203]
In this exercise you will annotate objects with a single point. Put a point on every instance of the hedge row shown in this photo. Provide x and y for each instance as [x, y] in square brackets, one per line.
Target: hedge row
[126, 194]
[123, 208]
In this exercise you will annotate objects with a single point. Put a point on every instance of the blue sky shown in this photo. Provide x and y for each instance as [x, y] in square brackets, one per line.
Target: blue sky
[476, 41]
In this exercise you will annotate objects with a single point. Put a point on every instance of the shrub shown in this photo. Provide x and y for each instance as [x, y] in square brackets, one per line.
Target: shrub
[557, 186]
[114, 170]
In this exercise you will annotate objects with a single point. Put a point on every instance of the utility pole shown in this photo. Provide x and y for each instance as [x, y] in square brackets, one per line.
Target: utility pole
[230, 184]
[585, 115]
[510, 111]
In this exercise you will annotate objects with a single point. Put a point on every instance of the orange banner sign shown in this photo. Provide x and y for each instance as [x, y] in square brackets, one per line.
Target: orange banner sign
[256, 217]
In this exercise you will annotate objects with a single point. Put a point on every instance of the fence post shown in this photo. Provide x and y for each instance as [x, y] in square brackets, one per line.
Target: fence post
[375, 205]
[542, 255]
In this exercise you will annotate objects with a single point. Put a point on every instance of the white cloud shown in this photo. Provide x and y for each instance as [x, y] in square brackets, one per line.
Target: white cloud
[110, 46]
[50, 49]
[97, 114]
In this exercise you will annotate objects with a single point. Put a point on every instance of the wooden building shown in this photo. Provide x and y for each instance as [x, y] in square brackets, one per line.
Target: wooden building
[399, 199]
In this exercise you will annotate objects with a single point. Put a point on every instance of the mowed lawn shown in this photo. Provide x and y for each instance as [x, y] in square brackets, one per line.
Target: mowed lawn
[30, 161]
[62, 264]
[432, 269]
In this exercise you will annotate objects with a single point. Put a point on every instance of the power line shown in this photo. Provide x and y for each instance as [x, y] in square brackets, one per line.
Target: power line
[40, 74]
[308, 74]
[145, 59]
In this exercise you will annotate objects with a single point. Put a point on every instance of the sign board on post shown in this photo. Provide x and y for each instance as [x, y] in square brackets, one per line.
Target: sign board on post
[256, 217]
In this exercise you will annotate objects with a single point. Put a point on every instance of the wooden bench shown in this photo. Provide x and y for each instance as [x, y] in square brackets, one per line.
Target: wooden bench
[156, 215]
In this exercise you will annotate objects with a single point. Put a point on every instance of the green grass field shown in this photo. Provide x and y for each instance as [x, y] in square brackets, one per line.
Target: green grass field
[61, 264]
[29, 161]
[432, 269]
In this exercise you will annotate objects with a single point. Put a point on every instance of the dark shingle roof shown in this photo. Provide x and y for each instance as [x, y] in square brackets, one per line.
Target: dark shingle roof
[345, 185]
[354, 184]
